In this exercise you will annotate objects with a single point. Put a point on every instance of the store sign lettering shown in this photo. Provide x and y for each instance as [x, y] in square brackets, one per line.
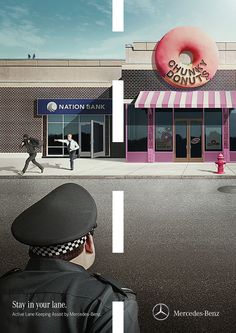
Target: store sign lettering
[185, 76]
[81, 106]
[74, 106]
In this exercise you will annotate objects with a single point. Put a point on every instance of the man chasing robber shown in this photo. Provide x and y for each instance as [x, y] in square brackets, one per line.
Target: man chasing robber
[72, 147]
[31, 145]
[55, 292]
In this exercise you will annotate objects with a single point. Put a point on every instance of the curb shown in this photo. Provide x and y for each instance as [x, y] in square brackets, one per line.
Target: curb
[123, 177]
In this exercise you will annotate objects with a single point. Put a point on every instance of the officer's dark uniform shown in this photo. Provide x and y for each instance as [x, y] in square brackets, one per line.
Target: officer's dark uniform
[59, 296]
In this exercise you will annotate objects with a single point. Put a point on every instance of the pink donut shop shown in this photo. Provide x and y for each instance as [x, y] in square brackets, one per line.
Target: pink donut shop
[180, 98]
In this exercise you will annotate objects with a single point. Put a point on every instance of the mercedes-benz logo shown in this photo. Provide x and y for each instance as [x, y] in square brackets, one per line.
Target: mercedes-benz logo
[160, 311]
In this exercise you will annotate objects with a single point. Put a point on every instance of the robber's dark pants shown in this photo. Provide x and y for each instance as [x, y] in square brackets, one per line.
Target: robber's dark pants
[31, 158]
[72, 156]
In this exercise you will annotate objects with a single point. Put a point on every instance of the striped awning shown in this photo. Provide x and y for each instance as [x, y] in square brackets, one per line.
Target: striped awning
[186, 99]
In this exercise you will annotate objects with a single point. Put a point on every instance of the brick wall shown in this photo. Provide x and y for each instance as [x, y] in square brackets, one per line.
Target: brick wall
[138, 80]
[18, 111]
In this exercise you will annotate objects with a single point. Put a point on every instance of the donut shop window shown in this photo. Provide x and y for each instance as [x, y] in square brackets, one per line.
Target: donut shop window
[213, 129]
[164, 129]
[137, 129]
[232, 129]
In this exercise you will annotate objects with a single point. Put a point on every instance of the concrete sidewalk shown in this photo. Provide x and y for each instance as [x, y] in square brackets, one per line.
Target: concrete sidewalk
[112, 168]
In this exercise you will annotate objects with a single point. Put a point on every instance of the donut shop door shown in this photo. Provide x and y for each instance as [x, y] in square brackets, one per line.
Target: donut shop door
[188, 140]
[188, 135]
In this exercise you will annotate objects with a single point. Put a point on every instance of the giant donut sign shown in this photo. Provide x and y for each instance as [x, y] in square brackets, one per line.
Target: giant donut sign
[186, 57]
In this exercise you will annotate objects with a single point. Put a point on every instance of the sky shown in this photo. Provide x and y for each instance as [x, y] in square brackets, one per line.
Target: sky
[82, 29]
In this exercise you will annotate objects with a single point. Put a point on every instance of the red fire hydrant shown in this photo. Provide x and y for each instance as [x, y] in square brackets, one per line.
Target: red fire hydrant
[220, 163]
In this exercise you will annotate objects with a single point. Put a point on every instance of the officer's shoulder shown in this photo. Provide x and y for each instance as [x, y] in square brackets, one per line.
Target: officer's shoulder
[116, 286]
[11, 272]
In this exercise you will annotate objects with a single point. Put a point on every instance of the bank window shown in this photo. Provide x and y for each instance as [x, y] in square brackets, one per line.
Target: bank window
[232, 129]
[71, 118]
[164, 130]
[88, 118]
[71, 128]
[59, 126]
[55, 118]
[55, 131]
[213, 129]
[137, 129]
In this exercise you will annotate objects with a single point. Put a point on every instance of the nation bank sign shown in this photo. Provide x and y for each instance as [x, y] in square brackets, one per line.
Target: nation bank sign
[74, 106]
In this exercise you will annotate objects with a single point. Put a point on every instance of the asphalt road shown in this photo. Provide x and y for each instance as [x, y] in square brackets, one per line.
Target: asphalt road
[180, 245]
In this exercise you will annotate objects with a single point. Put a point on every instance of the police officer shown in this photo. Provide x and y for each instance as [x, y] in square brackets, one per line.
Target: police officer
[31, 144]
[72, 147]
[55, 292]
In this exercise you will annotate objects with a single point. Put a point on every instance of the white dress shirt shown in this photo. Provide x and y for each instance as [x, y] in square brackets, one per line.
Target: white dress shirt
[73, 144]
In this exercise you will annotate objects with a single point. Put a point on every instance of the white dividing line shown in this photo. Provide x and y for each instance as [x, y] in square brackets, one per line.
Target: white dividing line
[117, 317]
[118, 15]
[117, 111]
[117, 221]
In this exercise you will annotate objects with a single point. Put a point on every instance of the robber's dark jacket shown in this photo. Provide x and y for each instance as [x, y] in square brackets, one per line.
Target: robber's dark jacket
[31, 149]
[55, 296]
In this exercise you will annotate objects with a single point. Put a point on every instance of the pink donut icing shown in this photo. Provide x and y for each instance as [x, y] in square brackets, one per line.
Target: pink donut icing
[204, 54]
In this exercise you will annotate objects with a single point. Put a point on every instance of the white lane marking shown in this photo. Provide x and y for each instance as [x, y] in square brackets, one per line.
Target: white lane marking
[118, 15]
[117, 317]
[117, 221]
[117, 111]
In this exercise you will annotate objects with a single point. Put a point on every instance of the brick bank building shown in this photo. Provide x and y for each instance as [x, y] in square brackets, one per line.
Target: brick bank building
[50, 98]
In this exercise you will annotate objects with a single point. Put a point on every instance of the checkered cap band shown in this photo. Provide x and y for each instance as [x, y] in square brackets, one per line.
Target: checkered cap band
[57, 250]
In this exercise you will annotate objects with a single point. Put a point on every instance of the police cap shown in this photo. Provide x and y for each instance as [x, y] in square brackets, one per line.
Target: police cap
[67, 213]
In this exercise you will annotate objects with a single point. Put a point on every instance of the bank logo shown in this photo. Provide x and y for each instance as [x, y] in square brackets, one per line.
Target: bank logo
[160, 311]
[52, 107]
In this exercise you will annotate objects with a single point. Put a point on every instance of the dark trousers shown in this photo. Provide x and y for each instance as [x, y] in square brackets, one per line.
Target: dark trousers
[72, 156]
[31, 158]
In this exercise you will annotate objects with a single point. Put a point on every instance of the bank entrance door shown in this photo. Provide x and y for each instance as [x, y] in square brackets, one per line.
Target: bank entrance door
[92, 139]
[97, 139]
[85, 139]
[188, 140]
